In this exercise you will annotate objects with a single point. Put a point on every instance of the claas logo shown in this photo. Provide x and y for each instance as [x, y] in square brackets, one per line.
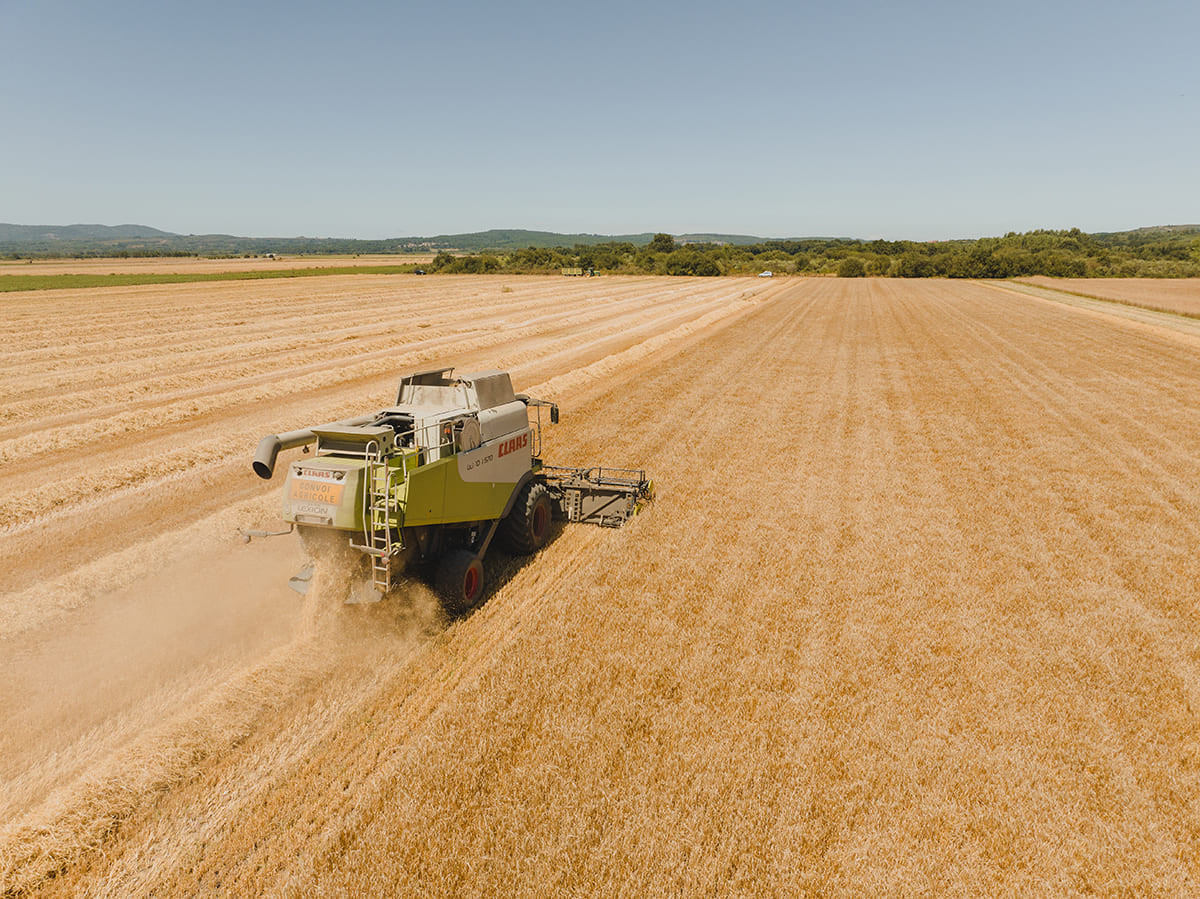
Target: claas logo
[514, 443]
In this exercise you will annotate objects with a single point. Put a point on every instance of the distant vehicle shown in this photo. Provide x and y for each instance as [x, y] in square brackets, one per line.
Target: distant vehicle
[419, 271]
[767, 274]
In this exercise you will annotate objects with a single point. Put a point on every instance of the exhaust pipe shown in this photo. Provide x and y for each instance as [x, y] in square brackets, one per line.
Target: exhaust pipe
[271, 445]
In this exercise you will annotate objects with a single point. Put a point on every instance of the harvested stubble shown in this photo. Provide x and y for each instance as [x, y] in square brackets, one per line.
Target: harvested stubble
[197, 265]
[140, 403]
[1179, 295]
[141, 469]
[913, 613]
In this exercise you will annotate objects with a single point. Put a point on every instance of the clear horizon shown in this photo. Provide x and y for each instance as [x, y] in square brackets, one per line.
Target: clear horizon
[926, 121]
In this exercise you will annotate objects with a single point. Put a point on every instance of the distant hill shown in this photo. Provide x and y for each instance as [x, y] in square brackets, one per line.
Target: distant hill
[138, 240]
[40, 233]
[1155, 234]
[518, 240]
[514, 239]
[1158, 230]
[141, 240]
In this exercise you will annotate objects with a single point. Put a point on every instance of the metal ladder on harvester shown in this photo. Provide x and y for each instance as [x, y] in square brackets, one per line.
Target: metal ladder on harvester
[379, 507]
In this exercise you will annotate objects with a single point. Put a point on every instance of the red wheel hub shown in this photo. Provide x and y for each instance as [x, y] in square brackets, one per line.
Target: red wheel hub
[541, 520]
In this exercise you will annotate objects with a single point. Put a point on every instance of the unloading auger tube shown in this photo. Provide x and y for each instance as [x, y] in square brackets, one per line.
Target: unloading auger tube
[434, 480]
[271, 445]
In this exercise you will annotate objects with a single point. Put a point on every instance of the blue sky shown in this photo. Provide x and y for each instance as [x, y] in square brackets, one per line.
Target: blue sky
[918, 120]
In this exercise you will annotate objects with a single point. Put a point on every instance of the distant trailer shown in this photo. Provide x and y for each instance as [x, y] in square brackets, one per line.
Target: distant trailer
[573, 272]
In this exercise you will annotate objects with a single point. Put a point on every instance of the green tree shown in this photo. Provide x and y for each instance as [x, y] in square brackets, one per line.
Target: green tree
[661, 243]
[852, 267]
[914, 265]
[605, 258]
[647, 262]
[681, 262]
[879, 264]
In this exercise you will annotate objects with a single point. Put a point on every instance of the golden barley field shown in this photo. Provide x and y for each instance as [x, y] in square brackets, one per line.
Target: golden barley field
[913, 611]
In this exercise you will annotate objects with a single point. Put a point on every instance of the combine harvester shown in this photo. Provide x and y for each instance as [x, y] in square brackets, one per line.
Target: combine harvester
[432, 480]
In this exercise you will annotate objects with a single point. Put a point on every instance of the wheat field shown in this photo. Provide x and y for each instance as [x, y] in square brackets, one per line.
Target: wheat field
[913, 611]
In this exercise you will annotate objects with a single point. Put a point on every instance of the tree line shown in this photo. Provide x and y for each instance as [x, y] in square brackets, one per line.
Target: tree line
[1155, 253]
[1166, 252]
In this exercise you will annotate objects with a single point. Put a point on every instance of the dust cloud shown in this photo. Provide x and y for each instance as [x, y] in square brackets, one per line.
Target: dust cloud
[130, 693]
[83, 685]
[342, 604]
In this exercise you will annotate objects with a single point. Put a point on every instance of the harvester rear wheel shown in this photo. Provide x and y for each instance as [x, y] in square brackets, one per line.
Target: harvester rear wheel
[460, 581]
[527, 527]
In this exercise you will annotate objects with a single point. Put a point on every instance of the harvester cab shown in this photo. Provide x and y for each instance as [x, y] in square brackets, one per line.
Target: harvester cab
[454, 464]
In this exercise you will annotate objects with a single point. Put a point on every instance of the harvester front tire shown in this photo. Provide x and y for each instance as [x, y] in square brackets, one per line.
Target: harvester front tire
[460, 581]
[526, 528]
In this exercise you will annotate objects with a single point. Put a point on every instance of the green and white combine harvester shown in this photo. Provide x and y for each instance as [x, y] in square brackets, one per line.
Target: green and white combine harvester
[454, 465]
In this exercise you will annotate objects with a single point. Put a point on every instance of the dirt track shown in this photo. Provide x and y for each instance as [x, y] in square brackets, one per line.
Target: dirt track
[914, 610]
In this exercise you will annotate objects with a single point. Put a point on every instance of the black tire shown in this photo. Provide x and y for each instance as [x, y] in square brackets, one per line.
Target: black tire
[460, 581]
[526, 528]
